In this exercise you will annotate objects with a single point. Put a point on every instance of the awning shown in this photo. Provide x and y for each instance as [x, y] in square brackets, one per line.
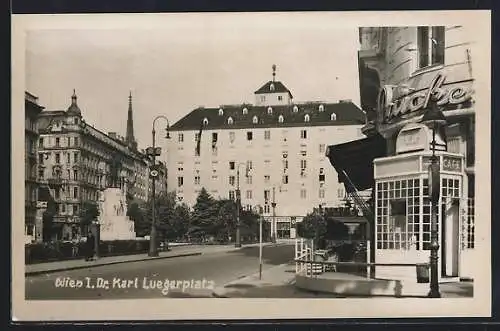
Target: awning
[355, 158]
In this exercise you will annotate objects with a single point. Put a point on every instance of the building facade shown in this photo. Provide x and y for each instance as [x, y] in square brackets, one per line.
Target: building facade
[32, 110]
[76, 161]
[403, 70]
[274, 151]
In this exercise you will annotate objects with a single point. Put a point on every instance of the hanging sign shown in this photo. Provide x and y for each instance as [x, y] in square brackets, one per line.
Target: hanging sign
[452, 164]
[393, 107]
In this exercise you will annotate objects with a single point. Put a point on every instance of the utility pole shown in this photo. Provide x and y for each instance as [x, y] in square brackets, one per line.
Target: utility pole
[238, 206]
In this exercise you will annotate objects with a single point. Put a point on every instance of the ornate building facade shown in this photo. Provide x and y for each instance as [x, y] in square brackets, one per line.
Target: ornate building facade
[32, 110]
[76, 161]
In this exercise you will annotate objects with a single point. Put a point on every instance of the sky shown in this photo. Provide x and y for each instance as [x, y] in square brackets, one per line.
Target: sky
[187, 62]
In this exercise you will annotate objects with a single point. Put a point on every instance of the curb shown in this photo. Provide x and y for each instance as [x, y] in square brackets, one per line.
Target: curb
[34, 273]
[216, 295]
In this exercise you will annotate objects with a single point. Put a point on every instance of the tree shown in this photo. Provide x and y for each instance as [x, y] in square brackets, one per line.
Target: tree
[136, 214]
[88, 214]
[204, 216]
[313, 226]
[226, 222]
[179, 223]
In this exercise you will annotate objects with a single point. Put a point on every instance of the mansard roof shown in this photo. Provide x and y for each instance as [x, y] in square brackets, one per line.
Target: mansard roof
[278, 88]
[346, 113]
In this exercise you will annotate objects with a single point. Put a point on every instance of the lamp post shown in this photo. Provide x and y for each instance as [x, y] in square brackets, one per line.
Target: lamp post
[238, 206]
[153, 152]
[434, 117]
[273, 204]
[258, 210]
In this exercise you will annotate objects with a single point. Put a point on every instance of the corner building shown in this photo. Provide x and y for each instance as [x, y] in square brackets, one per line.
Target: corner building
[278, 146]
[401, 68]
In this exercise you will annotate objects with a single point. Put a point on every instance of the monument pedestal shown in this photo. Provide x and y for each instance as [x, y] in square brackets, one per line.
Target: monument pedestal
[113, 219]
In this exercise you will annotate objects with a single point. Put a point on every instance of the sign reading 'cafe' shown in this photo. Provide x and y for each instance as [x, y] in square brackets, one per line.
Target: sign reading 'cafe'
[398, 103]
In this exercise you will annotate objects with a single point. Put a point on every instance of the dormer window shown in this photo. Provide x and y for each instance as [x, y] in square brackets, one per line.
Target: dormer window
[230, 121]
[271, 87]
[333, 117]
[245, 111]
[269, 110]
[205, 121]
[281, 119]
[295, 109]
[321, 108]
[255, 120]
[306, 118]
[221, 112]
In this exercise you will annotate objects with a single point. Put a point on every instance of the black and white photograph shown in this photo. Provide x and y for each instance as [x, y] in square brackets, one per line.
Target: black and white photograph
[220, 165]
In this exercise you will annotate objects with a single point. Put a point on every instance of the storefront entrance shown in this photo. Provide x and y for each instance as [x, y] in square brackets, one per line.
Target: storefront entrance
[450, 243]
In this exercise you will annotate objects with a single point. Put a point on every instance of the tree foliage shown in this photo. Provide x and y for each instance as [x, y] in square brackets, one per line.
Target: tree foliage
[48, 220]
[88, 213]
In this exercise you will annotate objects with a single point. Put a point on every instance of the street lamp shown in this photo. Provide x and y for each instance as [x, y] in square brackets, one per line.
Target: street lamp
[153, 152]
[238, 206]
[258, 210]
[434, 117]
[273, 204]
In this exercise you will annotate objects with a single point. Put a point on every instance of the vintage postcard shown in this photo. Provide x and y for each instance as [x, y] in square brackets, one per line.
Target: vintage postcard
[251, 165]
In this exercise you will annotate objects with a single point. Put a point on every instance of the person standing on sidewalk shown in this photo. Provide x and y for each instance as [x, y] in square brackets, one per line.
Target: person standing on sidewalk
[89, 247]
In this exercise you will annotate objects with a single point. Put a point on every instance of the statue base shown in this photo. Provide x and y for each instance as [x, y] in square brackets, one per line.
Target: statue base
[113, 219]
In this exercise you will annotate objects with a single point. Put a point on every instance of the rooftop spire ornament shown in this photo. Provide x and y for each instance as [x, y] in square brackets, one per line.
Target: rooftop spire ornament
[274, 72]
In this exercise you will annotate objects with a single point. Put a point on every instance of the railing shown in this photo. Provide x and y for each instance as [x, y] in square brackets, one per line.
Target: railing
[358, 200]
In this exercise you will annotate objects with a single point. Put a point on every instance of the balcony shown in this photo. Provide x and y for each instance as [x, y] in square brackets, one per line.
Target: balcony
[55, 182]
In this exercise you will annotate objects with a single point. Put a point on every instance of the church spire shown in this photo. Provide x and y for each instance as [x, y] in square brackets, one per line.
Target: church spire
[130, 139]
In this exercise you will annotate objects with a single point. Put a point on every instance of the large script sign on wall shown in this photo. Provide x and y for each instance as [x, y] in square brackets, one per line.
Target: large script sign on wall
[397, 103]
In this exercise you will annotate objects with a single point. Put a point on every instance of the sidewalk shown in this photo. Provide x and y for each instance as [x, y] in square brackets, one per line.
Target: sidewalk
[278, 282]
[176, 251]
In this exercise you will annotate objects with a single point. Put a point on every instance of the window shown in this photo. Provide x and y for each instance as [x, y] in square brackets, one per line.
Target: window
[221, 112]
[431, 43]
[295, 109]
[75, 192]
[321, 177]
[249, 165]
[280, 97]
[271, 87]
[63, 208]
[57, 142]
[40, 142]
[40, 158]
[231, 165]
[322, 148]
[267, 210]
[269, 110]
[245, 111]
[267, 194]
[230, 121]
[249, 135]
[76, 141]
[180, 137]
[267, 179]
[321, 108]
[303, 194]
[303, 134]
[57, 194]
[267, 135]
[75, 209]
[255, 120]
[262, 98]
[196, 180]
[285, 179]
[281, 119]
[180, 181]
[231, 137]
[321, 193]
[75, 157]
[205, 121]
[306, 118]
[249, 179]
[41, 174]
[75, 174]
[214, 137]
[303, 153]
[69, 141]
[68, 157]
[303, 164]
[231, 195]
[333, 117]
[249, 194]
[285, 164]
[231, 180]
[58, 158]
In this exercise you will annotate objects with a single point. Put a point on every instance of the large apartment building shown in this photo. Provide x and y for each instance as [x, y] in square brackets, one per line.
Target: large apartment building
[277, 146]
[32, 109]
[77, 160]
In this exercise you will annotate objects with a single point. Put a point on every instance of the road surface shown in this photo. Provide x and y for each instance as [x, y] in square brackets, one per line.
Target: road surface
[193, 276]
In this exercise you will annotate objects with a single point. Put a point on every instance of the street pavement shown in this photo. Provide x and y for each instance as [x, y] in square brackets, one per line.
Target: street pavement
[191, 276]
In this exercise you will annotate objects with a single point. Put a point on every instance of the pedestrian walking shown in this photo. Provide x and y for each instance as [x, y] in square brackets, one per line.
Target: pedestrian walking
[89, 247]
